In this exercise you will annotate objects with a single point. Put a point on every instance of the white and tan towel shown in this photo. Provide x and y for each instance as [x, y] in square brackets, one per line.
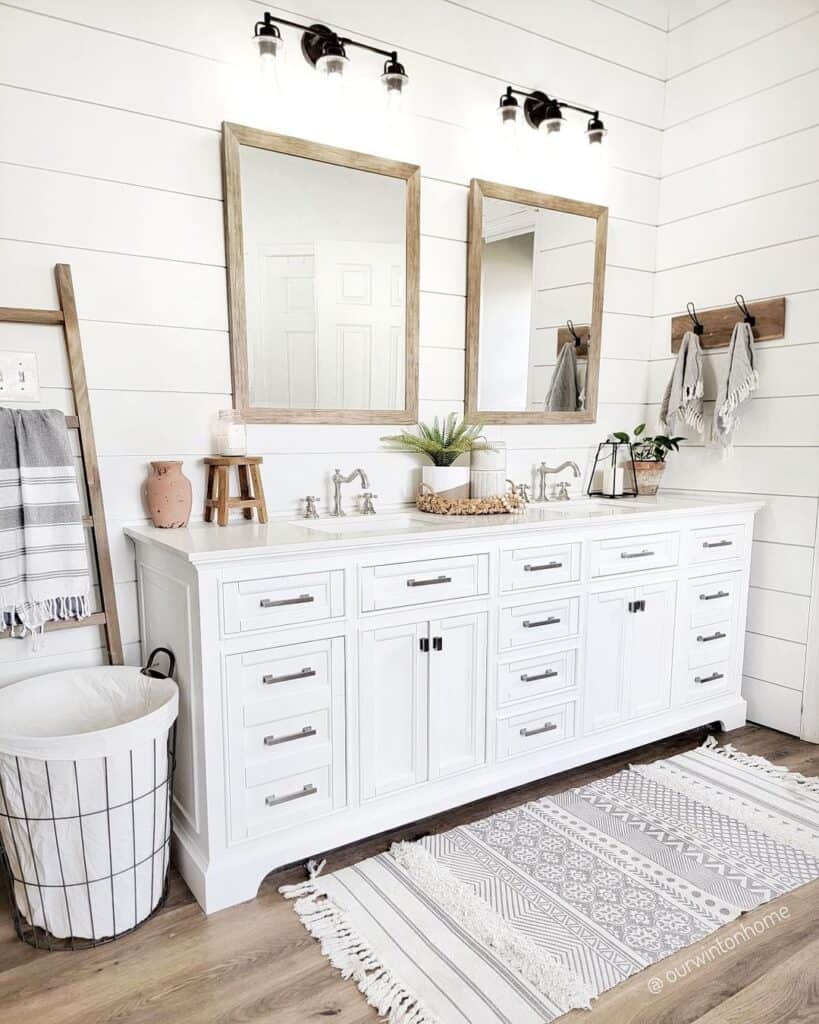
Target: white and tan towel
[682, 400]
[44, 572]
[742, 379]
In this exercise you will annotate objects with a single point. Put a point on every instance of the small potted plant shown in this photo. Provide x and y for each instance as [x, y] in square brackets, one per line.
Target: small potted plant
[442, 443]
[649, 456]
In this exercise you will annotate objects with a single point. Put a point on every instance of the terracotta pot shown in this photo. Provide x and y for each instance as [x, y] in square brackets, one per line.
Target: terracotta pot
[649, 475]
[449, 481]
[169, 495]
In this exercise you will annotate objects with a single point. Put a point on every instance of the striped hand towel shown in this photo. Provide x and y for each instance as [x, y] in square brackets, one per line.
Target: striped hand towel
[44, 572]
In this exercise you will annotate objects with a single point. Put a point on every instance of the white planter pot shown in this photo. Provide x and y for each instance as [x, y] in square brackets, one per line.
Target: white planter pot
[449, 481]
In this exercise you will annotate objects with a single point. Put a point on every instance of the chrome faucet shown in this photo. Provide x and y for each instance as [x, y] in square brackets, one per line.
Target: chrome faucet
[338, 480]
[545, 470]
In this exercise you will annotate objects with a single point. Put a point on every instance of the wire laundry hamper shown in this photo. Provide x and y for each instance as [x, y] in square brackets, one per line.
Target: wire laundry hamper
[85, 813]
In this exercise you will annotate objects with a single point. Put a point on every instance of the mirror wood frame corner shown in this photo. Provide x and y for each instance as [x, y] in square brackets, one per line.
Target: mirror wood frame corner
[478, 191]
[233, 137]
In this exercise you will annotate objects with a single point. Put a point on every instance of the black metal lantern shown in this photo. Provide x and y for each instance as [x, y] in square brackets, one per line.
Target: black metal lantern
[619, 477]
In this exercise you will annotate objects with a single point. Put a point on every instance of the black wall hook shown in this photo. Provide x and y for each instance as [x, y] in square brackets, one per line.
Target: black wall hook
[739, 299]
[692, 312]
[578, 341]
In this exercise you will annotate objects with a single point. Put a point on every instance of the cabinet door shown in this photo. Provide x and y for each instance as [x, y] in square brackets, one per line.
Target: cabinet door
[392, 696]
[651, 650]
[607, 649]
[457, 694]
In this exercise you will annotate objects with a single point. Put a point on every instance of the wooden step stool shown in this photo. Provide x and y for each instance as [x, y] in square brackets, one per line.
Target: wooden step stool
[251, 492]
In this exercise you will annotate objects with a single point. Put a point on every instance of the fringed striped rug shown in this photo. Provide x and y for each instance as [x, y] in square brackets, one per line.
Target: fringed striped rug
[517, 918]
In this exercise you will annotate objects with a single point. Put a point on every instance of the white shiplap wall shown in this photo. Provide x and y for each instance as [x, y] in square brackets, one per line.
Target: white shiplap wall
[109, 160]
[739, 212]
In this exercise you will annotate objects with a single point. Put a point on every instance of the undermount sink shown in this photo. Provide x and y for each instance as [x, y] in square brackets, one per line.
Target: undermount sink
[370, 524]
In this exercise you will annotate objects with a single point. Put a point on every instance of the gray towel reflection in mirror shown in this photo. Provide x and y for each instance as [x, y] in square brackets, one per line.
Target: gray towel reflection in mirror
[562, 393]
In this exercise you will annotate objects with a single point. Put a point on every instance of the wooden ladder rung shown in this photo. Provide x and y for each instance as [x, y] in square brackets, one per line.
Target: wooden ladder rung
[72, 422]
[88, 522]
[11, 315]
[97, 619]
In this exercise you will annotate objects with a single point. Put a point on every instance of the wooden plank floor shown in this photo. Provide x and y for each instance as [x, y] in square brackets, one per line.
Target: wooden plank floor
[255, 963]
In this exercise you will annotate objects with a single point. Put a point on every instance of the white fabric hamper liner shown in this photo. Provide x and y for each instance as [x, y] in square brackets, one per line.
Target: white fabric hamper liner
[85, 798]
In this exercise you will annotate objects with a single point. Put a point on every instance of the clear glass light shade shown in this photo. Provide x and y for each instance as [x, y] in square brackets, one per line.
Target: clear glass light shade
[271, 53]
[270, 48]
[395, 90]
[596, 136]
[332, 66]
[552, 126]
[509, 118]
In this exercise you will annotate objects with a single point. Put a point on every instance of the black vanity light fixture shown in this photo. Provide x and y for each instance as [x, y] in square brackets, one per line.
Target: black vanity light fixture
[545, 113]
[326, 51]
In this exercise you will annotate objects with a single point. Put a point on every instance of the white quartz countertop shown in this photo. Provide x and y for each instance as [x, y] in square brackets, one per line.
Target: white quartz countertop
[207, 542]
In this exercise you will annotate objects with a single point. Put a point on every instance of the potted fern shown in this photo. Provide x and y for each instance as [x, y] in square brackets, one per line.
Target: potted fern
[442, 443]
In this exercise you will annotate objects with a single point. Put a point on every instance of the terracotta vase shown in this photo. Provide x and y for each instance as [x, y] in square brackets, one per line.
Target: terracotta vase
[169, 495]
[649, 474]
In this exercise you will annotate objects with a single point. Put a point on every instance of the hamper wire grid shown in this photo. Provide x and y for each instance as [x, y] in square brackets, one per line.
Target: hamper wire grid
[89, 902]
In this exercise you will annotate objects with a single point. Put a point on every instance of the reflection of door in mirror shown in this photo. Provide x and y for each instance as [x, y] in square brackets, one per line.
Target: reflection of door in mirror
[537, 272]
[324, 260]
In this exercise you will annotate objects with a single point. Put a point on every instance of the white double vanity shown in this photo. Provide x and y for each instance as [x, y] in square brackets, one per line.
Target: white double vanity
[342, 677]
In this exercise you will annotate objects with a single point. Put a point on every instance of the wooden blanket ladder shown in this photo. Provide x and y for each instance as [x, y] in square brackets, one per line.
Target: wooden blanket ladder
[66, 317]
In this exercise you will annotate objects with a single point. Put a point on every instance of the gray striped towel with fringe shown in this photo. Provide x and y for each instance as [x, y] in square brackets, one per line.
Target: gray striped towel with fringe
[44, 573]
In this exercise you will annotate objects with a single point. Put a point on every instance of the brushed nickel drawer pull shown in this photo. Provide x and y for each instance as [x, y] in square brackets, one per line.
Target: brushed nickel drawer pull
[304, 673]
[272, 741]
[273, 800]
[551, 621]
[714, 597]
[709, 679]
[546, 727]
[714, 636]
[637, 554]
[429, 583]
[548, 674]
[717, 543]
[546, 565]
[268, 602]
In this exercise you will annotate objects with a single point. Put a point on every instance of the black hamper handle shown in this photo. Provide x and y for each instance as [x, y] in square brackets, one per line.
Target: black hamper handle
[154, 673]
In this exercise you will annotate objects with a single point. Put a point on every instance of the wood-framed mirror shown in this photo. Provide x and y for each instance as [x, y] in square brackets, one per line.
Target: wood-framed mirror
[323, 263]
[536, 269]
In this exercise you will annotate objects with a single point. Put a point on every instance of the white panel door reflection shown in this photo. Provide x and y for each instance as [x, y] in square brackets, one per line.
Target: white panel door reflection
[359, 324]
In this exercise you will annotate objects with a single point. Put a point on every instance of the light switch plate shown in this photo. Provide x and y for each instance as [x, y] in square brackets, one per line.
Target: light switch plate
[19, 377]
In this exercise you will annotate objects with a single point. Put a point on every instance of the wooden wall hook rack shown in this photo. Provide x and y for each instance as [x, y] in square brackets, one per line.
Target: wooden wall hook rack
[718, 323]
[565, 337]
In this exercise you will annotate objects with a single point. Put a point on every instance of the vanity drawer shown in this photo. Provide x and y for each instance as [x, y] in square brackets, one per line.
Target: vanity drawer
[634, 554]
[282, 601]
[709, 644]
[533, 623]
[280, 681]
[287, 745]
[535, 730]
[536, 676]
[404, 584]
[525, 568]
[716, 544]
[707, 680]
[713, 599]
[288, 800]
